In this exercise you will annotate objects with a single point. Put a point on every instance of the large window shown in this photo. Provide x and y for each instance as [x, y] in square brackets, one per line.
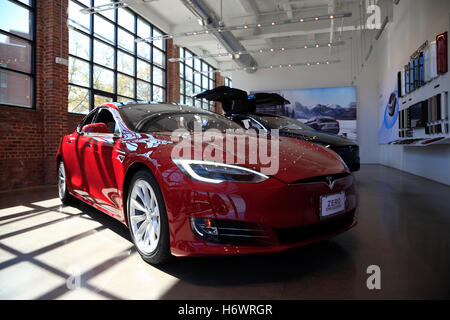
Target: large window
[228, 82]
[193, 82]
[17, 53]
[105, 62]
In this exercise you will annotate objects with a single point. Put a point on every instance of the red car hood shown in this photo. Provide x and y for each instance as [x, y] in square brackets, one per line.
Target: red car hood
[297, 159]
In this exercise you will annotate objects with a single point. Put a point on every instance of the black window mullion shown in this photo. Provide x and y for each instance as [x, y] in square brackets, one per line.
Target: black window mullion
[152, 65]
[135, 57]
[91, 60]
[116, 52]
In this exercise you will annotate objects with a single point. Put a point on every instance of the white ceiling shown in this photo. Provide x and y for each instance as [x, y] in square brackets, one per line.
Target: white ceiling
[173, 17]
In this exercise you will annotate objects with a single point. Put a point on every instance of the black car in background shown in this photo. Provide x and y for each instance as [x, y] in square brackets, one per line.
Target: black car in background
[324, 124]
[241, 108]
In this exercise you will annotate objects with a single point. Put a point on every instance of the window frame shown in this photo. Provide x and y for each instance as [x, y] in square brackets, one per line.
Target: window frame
[32, 42]
[118, 49]
[228, 82]
[184, 79]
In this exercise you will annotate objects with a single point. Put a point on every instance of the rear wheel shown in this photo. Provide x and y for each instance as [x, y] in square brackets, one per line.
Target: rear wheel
[147, 218]
[64, 195]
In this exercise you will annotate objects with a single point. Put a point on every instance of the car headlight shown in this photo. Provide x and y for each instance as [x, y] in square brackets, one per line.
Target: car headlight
[215, 172]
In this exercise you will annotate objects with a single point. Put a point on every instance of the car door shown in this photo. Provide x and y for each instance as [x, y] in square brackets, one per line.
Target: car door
[101, 164]
[73, 154]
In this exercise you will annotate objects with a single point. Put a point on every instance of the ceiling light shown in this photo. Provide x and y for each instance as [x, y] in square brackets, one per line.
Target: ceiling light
[317, 45]
[255, 51]
[105, 7]
[300, 64]
[222, 28]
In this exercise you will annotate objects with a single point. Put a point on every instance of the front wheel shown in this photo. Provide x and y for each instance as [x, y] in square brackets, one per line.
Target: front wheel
[64, 195]
[147, 218]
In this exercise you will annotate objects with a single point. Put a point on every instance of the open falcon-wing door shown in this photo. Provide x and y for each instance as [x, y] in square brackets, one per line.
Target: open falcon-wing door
[234, 101]
[263, 99]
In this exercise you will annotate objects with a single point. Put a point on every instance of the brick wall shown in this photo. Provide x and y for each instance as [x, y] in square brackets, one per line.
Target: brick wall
[72, 122]
[29, 138]
[173, 73]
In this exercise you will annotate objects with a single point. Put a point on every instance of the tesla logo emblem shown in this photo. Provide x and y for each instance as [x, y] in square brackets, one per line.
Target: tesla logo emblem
[329, 181]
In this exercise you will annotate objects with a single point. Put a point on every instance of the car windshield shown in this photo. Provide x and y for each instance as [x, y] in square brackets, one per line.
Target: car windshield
[282, 123]
[145, 119]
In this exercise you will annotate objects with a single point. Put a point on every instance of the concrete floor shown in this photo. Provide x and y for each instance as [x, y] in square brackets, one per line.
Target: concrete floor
[48, 251]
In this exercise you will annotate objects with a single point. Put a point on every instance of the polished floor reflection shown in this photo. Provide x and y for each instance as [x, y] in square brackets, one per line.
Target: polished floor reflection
[48, 251]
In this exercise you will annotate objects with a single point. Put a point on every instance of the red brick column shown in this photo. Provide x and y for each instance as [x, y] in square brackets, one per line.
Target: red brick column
[173, 73]
[52, 78]
[220, 81]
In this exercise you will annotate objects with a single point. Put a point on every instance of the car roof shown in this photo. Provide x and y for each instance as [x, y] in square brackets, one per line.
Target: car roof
[159, 107]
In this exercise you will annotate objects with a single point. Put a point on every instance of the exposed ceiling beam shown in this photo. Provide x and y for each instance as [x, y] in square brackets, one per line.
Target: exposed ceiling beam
[288, 8]
[227, 39]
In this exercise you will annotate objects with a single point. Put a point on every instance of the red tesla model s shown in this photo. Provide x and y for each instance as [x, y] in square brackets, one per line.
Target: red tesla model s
[120, 160]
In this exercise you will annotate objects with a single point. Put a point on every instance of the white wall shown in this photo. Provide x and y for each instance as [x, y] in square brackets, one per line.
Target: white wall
[414, 22]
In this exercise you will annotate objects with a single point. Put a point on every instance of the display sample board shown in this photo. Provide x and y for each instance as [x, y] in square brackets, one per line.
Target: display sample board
[330, 110]
[389, 107]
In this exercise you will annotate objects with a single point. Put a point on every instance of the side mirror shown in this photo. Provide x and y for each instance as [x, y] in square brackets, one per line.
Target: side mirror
[95, 128]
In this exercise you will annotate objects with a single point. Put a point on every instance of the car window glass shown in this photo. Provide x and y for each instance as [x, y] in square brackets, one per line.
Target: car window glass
[246, 123]
[187, 121]
[255, 125]
[89, 118]
[282, 123]
[106, 117]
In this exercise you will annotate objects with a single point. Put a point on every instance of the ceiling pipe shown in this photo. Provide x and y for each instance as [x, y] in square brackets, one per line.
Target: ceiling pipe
[209, 19]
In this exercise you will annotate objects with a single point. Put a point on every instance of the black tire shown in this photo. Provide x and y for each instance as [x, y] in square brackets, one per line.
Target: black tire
[161, 254]
[64, 195]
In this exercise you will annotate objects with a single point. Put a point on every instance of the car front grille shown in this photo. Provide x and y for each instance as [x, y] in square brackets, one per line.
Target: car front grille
[241, 233]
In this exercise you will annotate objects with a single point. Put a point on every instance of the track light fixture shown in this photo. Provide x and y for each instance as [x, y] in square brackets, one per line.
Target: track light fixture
[290, 65]
[111, 6]
[248, 26]
[236, 55]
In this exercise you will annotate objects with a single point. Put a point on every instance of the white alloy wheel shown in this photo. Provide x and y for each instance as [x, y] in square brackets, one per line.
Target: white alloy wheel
[61, 180]
[144, 217]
